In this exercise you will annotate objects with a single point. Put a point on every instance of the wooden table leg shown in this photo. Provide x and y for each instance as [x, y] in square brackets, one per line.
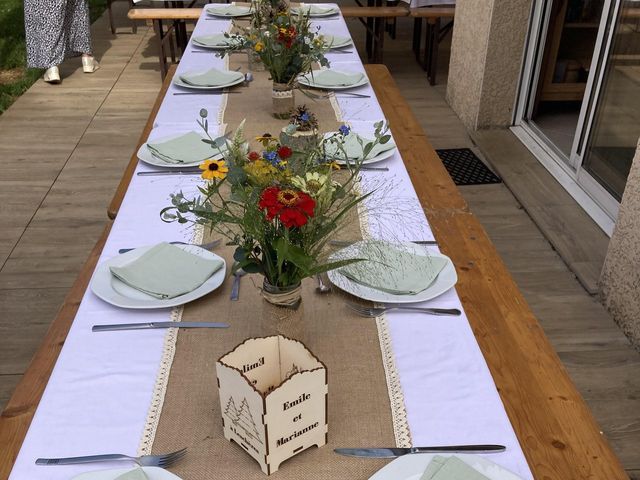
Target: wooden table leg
[417, 37]
[431, 49]
[110, 12]
[379, 33]
[369, 41]
[157, 27]
[134, 25]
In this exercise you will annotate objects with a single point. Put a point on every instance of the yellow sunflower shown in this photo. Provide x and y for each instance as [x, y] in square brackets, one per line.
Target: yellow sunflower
[212, 169]
[258, 47]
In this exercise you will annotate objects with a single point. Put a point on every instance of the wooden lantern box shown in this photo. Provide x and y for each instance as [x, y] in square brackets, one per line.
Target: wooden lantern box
[273, 397]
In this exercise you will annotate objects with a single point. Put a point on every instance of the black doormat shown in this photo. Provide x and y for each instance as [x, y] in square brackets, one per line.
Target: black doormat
[465, 168]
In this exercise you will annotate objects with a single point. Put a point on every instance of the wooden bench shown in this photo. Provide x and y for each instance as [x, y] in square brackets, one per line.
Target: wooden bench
[556, 430]
[433, 35]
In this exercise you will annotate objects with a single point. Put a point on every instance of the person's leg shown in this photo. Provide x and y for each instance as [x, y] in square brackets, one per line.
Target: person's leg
[44, 29]
[79, 33]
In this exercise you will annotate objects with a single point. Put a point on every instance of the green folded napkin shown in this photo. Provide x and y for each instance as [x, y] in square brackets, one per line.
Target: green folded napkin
[228, 10]
[335, 41]
[313, 10]
[333, 78]
[167, 271]
[215, 40]
[135, 474]
[211, 78]
[389, 268]
[187, 148]
[354, 148]
[451, 468]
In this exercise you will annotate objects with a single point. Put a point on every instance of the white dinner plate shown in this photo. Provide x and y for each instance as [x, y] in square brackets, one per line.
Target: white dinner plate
[335, 45]
[152, 473]
[446, 279]
[306, 11]
[378, 158]
[411, 467]
[113, 291]
[243, 11]
[145, 155]
[308, 81]
[178, 81]
[219, 46]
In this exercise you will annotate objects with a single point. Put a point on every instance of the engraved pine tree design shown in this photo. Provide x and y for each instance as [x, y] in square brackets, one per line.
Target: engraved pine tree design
[242, 418]
[231, 411]
[293, 371]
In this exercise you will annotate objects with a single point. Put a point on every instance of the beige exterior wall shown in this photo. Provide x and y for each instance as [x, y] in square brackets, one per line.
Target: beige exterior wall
[620, 279]
[486, 59]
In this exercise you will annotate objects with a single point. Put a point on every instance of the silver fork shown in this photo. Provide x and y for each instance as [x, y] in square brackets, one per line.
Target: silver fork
[377, 311]
[161, 461]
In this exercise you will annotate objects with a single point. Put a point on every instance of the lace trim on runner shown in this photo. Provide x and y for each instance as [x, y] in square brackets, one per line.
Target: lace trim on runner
[394, 388]
[162, 378]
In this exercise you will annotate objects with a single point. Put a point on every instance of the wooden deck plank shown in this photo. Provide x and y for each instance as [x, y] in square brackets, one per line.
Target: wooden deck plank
[558, 433]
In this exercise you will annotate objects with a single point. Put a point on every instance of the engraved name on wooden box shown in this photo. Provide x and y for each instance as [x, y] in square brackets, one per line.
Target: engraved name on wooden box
[273, 396]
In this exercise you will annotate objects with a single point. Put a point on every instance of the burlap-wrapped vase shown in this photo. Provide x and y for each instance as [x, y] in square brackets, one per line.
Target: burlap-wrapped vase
[284, 100]
[283, 312]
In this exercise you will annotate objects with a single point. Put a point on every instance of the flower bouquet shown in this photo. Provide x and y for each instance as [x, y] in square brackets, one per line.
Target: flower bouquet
[287, 47]
[279, 208]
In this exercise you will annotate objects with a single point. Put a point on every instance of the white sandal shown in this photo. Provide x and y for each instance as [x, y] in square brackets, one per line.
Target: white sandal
[52, 75]
[89, 64]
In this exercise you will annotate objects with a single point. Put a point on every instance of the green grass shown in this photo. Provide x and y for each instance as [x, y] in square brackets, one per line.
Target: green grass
[13, 49]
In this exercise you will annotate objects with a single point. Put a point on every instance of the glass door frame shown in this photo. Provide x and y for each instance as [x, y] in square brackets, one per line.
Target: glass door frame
[593, 197]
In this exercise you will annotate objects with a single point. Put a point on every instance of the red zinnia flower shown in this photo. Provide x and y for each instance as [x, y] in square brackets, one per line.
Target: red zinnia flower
[253, 156]
[284, 152]
[292, 207]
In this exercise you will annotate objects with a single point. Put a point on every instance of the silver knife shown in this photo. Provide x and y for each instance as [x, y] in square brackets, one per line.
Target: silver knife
[144, 326]
[169, 172]
[398, 452]
[346, 243]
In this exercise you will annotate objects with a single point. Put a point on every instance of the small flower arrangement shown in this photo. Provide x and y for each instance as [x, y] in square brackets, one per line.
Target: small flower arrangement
[303, 120]
[278, 209]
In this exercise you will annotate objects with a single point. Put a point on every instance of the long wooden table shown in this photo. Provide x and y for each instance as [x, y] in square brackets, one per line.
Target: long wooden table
[556, 429]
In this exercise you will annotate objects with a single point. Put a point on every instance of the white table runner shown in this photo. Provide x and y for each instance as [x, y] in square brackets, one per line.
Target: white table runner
[98, 395]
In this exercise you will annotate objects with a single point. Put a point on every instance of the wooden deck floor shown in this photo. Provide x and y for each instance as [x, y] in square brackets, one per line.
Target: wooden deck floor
[63, 148]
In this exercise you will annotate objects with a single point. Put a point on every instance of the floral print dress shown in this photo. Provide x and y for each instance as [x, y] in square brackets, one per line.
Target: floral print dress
[55, 30]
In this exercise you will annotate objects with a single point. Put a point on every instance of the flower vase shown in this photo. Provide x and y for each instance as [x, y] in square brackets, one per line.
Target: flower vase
[282, 311]
[299, 141]
[255, 62]
[283, 100]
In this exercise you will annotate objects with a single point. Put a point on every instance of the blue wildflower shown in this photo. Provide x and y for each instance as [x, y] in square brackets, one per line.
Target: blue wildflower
[271, 157]
[344, 130]
[304, 117]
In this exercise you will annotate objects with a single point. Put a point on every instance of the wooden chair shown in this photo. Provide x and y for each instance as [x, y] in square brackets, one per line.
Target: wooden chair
[434, 34]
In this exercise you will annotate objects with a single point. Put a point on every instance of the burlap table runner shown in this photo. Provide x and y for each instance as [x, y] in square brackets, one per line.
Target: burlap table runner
[365, 402]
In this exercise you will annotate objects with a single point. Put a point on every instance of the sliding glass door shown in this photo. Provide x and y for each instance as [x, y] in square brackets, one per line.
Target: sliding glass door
[580, 91]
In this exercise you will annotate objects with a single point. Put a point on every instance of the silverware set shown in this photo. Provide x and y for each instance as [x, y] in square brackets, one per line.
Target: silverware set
[206, 246]
[155, 325]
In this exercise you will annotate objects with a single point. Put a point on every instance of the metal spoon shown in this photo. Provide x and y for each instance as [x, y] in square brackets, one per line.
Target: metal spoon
[235, 288]
[322, 287]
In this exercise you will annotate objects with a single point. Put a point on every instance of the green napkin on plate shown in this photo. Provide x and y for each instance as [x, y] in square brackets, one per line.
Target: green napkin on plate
[215, 40]
[187, 148]
[211, 78]
[335, 41]
[391, 269]
[228, 10]
[451, 468]
[314, 10]
[354, 148]
[333, 78]
[166, 271]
